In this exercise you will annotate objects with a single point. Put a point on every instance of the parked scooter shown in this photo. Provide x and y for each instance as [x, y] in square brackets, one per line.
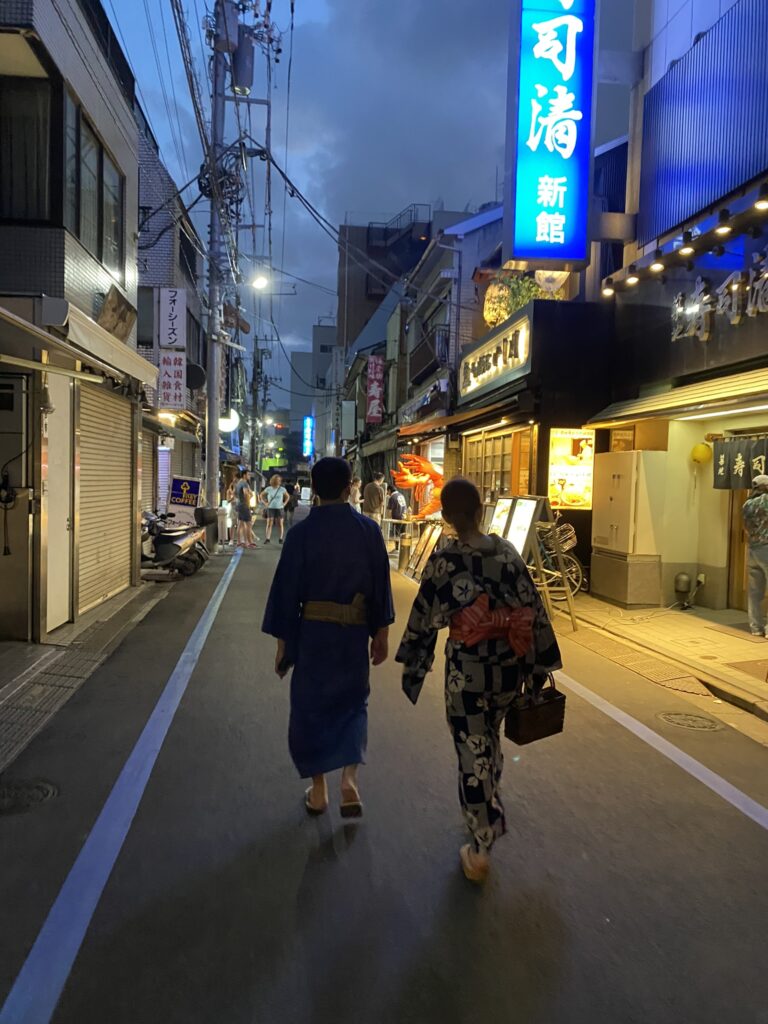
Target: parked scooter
[178, 548]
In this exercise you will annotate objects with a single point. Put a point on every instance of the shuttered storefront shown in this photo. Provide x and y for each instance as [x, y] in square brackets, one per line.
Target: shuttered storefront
[163, 477]
[105, 507]
[148, 471]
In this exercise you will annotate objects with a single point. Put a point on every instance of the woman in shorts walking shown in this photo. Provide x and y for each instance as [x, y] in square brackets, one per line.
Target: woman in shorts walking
[275, 498]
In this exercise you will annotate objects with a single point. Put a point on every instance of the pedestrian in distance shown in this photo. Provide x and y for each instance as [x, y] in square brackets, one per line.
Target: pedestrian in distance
[396, 507]
[374, 498]
[355, 494]
[292, 503]
[275, 498]
[330, 608]
[243, 495]
[754, 514]
[230, 502]
[499, 637]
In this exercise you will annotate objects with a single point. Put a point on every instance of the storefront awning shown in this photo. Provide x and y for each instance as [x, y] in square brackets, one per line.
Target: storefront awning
[93, 339]
[381, 443]
[438, 424]
[742, 392]
[18, 334]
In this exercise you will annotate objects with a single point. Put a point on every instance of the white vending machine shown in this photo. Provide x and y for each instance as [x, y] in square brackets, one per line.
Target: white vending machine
[627, 526]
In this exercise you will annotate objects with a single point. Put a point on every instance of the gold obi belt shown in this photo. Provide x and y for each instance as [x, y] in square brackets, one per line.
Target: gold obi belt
[354, 614]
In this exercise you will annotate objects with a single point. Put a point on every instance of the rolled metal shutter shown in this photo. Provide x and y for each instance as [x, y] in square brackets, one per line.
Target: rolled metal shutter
[105, 506]
[148, 471]
[163, 478]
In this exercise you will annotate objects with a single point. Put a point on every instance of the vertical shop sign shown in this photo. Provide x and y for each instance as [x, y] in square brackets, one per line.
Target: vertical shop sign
[172, 319]
[553, 146]
[308, 437]
[172, 341]
[172, 382]
[375, 407]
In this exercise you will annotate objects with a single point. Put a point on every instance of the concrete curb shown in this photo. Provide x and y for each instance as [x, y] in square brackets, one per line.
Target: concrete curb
[735, 689]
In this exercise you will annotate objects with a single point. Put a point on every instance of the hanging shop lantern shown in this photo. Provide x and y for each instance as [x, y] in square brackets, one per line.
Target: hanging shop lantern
[701, 454]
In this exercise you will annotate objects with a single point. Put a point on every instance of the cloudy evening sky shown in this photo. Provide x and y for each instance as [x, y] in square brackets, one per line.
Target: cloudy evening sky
[392, 102]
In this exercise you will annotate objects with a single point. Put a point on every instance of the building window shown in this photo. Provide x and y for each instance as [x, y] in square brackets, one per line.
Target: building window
[112, 195]
[145, 323]
[71, 162]
[89, 189]
[25, 130]
[94, 190]
[498, 463]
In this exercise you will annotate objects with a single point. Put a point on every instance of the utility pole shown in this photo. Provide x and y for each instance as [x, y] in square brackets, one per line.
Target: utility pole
[213, 407]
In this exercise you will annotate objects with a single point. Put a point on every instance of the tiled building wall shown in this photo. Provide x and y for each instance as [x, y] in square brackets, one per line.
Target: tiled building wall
[37, 259]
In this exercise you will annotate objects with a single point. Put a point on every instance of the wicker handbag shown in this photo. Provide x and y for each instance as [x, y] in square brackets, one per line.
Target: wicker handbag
[536, 715]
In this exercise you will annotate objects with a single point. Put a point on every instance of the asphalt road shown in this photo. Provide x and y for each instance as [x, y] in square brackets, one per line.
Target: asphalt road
[626, 891]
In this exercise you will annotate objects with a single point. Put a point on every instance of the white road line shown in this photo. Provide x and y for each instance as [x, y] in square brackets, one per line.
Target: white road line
[749, 807]
[40, 982]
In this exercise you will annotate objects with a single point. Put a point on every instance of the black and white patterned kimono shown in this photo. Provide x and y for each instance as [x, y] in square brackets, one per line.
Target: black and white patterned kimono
[480, 681]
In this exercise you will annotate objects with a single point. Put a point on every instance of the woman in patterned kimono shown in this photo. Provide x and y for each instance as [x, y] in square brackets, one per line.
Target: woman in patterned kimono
[499, 635]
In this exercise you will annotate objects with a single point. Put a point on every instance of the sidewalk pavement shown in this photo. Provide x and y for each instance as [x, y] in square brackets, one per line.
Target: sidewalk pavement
[36, 680]
[731, 664]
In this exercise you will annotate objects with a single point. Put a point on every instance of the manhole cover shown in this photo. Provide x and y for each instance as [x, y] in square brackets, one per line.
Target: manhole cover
[683, 720]
[17, 797]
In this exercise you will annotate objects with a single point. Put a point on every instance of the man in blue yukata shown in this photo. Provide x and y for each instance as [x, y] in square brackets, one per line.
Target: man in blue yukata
[330, 608]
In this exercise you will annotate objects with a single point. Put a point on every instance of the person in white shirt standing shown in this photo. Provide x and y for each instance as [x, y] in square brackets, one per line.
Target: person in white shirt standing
[274, 498]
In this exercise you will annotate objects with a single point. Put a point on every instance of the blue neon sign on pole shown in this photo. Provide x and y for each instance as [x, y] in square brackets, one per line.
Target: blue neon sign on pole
[553, 153]
[308, 437]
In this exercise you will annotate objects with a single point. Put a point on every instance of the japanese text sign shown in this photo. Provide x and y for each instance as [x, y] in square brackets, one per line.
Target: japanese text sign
[172, 318]
[172, 381]
[308, 437]
[738, 460]
[375, 406]
[184, 498]
[553, 150]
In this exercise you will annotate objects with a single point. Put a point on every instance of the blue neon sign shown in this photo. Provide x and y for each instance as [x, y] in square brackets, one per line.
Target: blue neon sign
[553, 157]
[308, 437]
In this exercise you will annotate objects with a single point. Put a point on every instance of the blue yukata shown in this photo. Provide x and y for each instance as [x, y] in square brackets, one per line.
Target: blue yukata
[332, 555]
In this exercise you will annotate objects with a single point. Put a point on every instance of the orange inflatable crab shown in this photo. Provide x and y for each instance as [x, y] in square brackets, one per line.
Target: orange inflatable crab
[420, 476]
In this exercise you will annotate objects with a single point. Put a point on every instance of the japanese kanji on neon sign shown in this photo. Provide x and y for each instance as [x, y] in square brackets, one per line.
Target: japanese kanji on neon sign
[554, 130]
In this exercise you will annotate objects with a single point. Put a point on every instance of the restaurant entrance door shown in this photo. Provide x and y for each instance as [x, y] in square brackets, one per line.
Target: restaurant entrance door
[737, 555]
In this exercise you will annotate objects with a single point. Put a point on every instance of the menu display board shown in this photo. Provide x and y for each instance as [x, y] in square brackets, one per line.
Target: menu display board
[522, 521]
[571, 468]
[500, 516]
[419, 549]
[429, 547]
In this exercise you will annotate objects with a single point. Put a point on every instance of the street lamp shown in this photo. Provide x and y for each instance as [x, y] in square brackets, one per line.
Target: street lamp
[229, 423]
[260, 282]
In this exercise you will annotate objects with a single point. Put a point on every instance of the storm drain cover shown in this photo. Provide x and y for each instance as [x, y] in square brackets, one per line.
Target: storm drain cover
[17, 797]
[683, 720]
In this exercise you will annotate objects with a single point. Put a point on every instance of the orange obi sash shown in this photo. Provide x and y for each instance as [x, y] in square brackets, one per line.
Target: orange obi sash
[477, 622]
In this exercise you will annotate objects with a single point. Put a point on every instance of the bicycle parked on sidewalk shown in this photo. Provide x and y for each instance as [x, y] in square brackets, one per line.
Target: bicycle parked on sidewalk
[553, 576]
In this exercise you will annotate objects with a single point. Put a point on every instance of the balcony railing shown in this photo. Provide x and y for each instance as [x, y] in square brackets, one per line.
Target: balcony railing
[431, 353]
[386, 235]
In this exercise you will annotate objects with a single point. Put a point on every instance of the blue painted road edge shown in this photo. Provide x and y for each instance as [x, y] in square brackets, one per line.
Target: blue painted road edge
[39, 984]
